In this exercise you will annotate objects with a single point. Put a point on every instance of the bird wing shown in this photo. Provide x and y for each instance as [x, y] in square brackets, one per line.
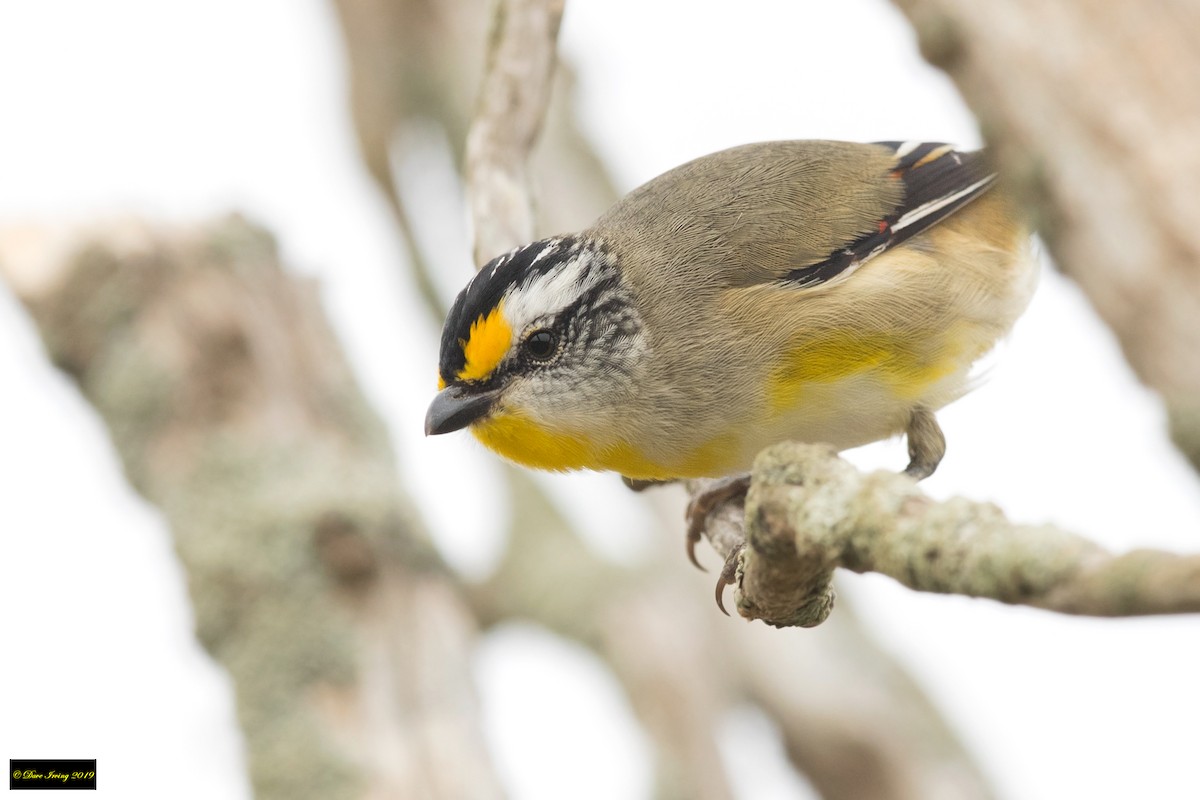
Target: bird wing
[803, 212]
[937, 181]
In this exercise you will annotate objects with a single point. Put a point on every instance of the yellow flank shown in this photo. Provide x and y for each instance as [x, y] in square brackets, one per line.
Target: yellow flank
[485, 345]
[519, 439]
[836, 356]
[441, 382]
[714, 458]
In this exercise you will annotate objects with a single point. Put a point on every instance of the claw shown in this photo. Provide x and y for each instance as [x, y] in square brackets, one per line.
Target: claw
[728, 576]
[692, 538]
[697, 518]
[705, 503]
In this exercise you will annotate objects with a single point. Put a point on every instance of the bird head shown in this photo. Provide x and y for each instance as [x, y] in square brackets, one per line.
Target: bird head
[544, 341]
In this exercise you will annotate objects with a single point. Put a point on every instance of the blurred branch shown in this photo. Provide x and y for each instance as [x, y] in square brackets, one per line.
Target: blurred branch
[809, 511]
[234, 411]
[1093, 112]
[852, 721]
[409, 61]
[647, 628]
[416, 64]
[512, 104]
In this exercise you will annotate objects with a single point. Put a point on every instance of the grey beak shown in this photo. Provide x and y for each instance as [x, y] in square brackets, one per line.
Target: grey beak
[455, 408]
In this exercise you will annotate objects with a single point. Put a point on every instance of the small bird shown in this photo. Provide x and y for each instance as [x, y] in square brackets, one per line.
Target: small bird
[817, 291]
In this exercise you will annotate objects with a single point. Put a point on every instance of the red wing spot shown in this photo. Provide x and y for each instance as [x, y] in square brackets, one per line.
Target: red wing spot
[897, 173]
[883, 226]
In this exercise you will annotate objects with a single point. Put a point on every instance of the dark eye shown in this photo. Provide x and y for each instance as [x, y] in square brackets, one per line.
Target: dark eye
[541, 344]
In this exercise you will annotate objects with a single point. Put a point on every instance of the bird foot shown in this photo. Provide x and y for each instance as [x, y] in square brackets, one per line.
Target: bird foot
[701, 507]
[705, 502]
[926, 444]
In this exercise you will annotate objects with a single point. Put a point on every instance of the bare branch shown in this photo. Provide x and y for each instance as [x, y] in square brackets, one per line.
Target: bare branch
[809, 511]
[512, 106]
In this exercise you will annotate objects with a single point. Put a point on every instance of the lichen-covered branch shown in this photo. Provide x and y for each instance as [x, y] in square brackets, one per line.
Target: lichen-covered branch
[512, 105]
[313, 584]
[809, 512]
[1093, 112]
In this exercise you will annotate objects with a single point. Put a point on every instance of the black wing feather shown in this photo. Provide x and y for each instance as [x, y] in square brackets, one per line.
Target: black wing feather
[938, 180]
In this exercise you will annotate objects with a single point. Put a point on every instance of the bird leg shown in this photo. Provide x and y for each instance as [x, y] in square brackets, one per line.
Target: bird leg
[926, 443]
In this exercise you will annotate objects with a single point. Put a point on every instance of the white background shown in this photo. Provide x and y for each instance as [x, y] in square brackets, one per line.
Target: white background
[188, 109]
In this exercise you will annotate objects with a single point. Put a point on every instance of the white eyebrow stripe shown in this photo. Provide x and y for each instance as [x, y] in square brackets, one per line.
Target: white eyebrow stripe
[545, 295]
